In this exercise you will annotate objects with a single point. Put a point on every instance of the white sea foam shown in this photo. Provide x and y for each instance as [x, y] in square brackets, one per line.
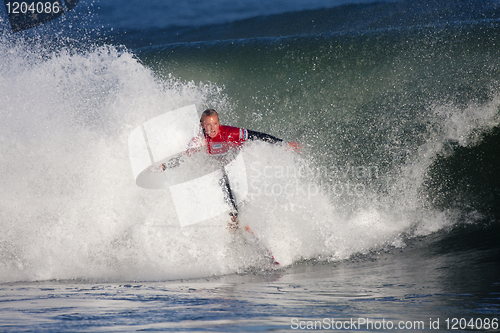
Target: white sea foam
[70, 209]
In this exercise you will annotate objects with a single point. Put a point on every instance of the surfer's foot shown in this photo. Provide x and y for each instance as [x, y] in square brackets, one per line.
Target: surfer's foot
[233, 225]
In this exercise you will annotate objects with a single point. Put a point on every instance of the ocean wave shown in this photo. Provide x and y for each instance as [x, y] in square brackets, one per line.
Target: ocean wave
[384, 118]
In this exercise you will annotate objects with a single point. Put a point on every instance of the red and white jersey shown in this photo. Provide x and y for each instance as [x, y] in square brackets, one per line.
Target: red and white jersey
[227, 139]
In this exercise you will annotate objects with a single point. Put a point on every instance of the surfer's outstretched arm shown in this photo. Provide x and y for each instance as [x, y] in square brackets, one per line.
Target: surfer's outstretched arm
[253, 135]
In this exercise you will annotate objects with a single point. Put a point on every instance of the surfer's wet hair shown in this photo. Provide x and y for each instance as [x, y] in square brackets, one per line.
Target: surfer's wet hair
[208, 113]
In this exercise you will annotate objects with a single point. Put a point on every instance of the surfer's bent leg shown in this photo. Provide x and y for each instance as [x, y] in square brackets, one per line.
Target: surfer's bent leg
[229, 198]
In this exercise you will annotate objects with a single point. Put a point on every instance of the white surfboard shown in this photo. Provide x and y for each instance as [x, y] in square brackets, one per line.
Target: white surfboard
[194, 181]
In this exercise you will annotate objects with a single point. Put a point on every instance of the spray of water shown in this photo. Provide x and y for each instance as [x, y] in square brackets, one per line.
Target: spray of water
[69, 207]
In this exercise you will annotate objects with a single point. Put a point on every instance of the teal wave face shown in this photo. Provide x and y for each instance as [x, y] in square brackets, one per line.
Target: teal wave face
[469, 178]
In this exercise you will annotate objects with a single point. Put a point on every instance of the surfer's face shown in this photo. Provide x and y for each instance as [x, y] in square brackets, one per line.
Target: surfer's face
[211, 125]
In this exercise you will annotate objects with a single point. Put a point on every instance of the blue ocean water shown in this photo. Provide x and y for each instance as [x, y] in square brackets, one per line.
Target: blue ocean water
[389, 219]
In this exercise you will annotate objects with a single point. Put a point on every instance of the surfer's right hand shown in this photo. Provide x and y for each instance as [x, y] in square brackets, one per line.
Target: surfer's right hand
[156, 169]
